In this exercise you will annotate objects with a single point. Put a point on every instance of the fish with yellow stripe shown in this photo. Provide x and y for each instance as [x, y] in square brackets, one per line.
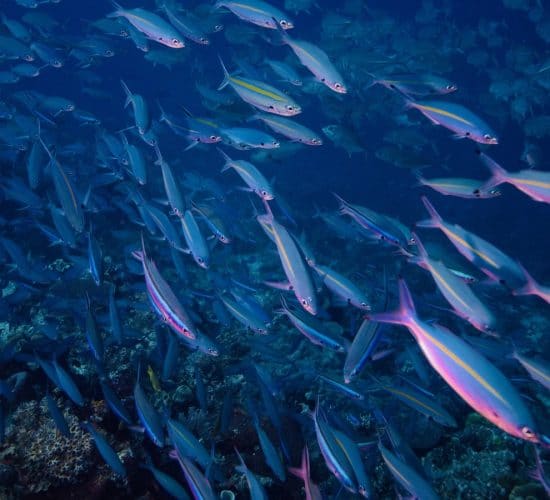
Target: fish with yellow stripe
[534, 183]
[260, 95]
[470, 375]
[456, 291]
[492, 261]
[455, 117]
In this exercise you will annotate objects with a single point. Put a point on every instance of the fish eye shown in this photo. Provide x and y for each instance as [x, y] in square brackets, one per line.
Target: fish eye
[213, 137]
[450, 87]
[528, 433]
[323, 80]
[494, 192]
[175, 41]
[200, 260]
[271, 107]
[337, 85]
[290, 108]
[304, 302]
[264, 193]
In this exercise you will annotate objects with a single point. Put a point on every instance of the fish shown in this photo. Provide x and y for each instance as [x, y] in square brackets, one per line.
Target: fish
[141, 111]
[151, 25]
[405, 475]
[257, 491]
[105, 450]
[314, 330]
[244, 138]
[299, 280]
[455, 117]
[312, 491]
[257, 12]
[537, 368]
[534, 183]
[197, 482]
[342, 287]
[457, 293]
[460, 187]
[290, 129]
[531, 287]
[484, 255]
[479, 383]
[260, 95]
[317, 61]
[195, 240]
[420, 85]
[163, 299]
[252, 177]
[148, 415]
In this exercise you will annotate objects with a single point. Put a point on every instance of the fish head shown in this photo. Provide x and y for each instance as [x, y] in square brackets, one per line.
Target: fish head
[485, 138]
[174, 43]
[202, 261]
[266, 194]
[286, 24]
[338, 87]
[529, 434]
[314, 141]
[309, 304]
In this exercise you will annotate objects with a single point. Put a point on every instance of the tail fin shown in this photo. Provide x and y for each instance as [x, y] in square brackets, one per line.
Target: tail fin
[406, 313]
[530, 286]
[226, 75]
[127, 92]
[498, 174]
[435, 219]
[303, 471]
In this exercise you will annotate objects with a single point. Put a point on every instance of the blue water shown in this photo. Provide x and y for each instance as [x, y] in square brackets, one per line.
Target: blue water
[47, 319]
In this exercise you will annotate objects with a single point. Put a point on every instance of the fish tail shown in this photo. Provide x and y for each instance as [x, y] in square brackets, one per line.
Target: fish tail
[406, 312]
[530, 286]
[118, 9]
[342, 204]
[421, 248]
[498, 174]
[127, 92]
[226, 75]
[434, 220]
[303, 471]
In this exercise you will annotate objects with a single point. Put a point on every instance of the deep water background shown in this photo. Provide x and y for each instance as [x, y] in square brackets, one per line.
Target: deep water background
[513, 222]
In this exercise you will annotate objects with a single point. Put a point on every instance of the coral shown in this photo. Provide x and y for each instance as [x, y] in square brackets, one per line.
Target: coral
[481, 462]
[43, 457]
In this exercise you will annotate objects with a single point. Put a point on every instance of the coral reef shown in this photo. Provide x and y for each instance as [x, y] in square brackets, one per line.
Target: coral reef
[41, 455]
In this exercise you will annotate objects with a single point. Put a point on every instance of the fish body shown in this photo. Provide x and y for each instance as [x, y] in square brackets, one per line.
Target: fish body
[252, 177]
[151, 25]
[257, 12]
[195, 239]
[290, 129]
[261, 95]
[455, 117]
[469, 374]
[457, 292]
[294, 266]
[484, 255]
[316, 60]
[460, 187]
[163, 299]
[534, 183]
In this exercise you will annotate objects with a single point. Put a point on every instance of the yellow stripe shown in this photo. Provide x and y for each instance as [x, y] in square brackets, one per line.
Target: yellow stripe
[529, 367]
[442, 112]
[529, 182]
[465, 366]
[447, 287]
[255, 88]
[69, 187]
[408, 396]
[480, 254]
[282, 252]
[395, 471]
[248, 7]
